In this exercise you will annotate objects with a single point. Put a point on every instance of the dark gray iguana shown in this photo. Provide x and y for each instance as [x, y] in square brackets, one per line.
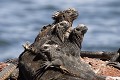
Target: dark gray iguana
[68, 64]
[56, 51]
[55, 56]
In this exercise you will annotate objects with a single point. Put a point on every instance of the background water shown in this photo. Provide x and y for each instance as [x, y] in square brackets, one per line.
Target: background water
[21, 21]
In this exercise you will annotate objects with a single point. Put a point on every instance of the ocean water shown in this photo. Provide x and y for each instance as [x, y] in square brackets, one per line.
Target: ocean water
[21, 21]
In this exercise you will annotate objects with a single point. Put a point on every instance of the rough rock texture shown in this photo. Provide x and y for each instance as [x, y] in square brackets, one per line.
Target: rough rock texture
[2, 65]
[6, 70]
[101, 68]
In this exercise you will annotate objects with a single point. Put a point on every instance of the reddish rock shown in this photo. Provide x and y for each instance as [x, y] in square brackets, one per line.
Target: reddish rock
[2, 66]
[101, 68]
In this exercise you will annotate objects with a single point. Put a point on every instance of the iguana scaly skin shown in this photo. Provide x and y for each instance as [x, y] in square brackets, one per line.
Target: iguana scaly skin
[55, 53]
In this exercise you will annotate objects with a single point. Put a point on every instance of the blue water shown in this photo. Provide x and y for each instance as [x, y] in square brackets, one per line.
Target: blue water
[21, 21]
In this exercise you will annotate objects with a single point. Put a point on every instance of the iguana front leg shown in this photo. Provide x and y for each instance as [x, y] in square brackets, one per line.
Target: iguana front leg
[56, 63]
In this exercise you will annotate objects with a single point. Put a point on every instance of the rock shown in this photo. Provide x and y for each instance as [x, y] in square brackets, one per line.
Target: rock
[100, 67]
[6, 71]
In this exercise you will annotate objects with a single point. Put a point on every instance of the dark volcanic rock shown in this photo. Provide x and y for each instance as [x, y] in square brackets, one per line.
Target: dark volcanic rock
[55, 53]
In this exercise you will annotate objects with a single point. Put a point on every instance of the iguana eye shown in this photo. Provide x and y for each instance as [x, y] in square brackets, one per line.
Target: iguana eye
[78, 29]
[45, 47]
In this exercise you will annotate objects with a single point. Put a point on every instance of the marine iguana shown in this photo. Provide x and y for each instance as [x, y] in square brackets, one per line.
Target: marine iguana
[72, 48]
[36, 57]
[77, 34]
[42, 62]
[50, 51]
[49, 32]
[67, 15]
[68, 64]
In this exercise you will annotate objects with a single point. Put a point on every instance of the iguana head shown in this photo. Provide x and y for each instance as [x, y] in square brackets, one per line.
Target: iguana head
[66, 15]
[77, 34]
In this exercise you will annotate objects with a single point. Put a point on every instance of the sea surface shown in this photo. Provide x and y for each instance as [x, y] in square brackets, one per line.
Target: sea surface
[21, 21]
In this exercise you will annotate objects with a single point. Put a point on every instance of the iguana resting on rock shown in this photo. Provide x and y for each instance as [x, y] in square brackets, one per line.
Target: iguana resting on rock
[67, 64]
[55, 53]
